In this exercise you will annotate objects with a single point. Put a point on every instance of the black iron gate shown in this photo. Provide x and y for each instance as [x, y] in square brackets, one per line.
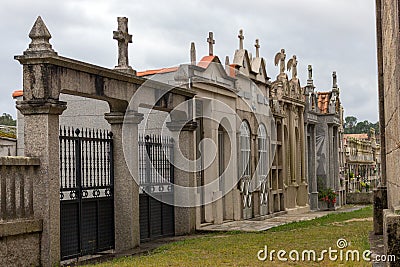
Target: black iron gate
[156, 177]
[86, 192]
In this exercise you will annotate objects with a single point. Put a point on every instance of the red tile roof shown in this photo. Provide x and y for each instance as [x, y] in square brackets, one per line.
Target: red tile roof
[156, 71]
[323, 101]
[17, 93]
[356, 136]
[205, 61]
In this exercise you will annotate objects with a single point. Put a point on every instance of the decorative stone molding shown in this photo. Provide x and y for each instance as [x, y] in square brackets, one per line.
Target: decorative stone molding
[13, 228]
[40, 37]
[19, 161]
[130, 117]
[182, 126]
[41, 106]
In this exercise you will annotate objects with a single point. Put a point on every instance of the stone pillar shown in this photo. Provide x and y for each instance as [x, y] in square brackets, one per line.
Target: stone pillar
[391, 234]
[380, 203]
[185, 217]
[211, 172]
[41, 140]
[126, 189]
[293, 185]
[313, 169]
[302, 199]
[330, 159]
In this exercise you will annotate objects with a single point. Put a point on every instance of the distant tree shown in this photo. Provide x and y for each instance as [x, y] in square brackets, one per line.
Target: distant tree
[7, 119]
[353, 126]
[350, 122]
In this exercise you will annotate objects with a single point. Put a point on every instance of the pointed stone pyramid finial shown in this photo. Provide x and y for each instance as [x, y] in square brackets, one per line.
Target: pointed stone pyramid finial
[40, 36]
[193, 53]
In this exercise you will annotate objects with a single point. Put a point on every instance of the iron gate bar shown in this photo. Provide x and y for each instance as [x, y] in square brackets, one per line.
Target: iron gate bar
[156, 177]
[86, 165]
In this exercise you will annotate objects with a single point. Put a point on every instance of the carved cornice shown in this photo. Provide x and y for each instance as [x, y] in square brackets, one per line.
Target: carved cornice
[41, 106]
[130, 117]
[182, 126]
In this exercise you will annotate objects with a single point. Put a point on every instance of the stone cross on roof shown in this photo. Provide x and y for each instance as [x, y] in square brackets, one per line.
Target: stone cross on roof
[123, 38]
[211, 43]
[241, 38]
[257, 45]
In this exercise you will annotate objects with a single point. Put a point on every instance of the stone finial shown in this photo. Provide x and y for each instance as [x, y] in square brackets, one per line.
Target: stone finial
[241, 38]
[280, 58]
[193, 53]
[257, 45]
[123, 38]
[227, 65]
[227, 61]
[310, 81]
[334, 78]
[211, 43]
[40, 36]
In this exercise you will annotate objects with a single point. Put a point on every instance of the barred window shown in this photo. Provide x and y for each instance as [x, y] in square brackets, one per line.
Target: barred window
[262, 168]
[244, 149]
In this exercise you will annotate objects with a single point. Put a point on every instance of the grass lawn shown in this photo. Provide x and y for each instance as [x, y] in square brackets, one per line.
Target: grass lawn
[240, 249]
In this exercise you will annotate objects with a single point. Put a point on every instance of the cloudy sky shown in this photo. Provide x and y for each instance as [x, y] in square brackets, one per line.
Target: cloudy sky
[329, 34]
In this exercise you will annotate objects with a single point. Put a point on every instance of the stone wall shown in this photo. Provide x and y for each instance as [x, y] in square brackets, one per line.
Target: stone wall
[388, 52]
[20, 243]
[391, 84]
[360, 198]
[8, 147]
[19, 232]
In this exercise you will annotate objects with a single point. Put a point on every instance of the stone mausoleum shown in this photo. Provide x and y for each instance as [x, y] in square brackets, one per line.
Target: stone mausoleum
[170, 150]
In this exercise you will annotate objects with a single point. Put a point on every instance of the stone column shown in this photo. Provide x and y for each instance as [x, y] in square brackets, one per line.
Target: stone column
[211, 172]
[380, 204]
[126, 188]
[184, 150]
[313, 169]
[330, 159]
[302, 199]
[41, 140]
[293, 185]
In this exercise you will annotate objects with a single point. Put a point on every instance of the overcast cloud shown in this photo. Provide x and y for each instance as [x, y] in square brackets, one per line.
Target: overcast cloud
[329, 34]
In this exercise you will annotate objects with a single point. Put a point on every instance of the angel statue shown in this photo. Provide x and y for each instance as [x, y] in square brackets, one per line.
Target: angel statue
[292, 66]
[280, 59]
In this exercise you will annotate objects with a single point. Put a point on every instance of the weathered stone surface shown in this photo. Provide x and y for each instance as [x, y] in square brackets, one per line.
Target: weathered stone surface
[185, 216]
[380, 204]
[360, 198]
[19, 227]
[123, 38]
[126, 196]
[391, 234]
[40, 36]
[19, 161]
[389, 80]
[20, 250]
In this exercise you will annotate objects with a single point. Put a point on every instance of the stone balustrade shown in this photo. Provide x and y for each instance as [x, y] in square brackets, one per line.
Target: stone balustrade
[16, 188]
